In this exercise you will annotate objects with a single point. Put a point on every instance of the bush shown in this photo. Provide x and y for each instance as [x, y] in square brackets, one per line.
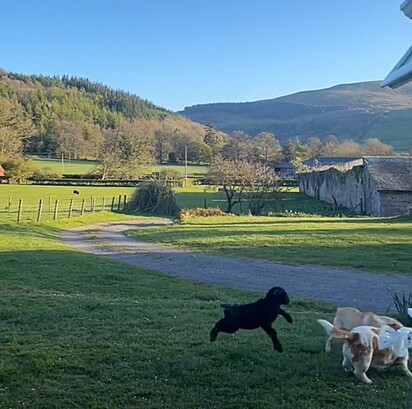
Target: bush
[155, 197]
[44, 173]
[402, 302]
[200, 212]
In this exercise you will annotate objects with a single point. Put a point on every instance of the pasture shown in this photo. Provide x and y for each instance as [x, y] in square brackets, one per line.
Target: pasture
[100, 198]
[79, 331]
[84, 167]
[380, 245]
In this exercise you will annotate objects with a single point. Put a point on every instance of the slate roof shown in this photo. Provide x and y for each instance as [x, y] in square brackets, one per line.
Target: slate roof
[391, 173]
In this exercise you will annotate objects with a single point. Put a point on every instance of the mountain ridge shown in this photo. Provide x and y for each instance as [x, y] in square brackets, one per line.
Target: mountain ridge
[348, 111]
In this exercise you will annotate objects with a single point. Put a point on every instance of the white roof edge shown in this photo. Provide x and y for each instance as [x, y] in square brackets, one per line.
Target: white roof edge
[406, 7]
[402, 72]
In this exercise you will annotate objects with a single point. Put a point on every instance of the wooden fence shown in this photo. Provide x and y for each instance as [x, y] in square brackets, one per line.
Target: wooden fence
[57, 209]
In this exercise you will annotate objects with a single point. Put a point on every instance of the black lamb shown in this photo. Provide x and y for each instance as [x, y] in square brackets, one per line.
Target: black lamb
[260, 313]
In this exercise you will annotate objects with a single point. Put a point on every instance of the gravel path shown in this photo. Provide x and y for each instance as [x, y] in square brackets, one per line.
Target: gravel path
[359, 289]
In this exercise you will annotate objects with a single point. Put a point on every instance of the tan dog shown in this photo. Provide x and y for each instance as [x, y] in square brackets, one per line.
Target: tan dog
[349, 318]
[361, 350]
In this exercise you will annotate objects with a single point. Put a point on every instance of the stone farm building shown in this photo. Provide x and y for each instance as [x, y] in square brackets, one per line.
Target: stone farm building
[371, 185]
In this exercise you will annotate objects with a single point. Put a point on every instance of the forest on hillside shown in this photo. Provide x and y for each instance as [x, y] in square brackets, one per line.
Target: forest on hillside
[79, 119]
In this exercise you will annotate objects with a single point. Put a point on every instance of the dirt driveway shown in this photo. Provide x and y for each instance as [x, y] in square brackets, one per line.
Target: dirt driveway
[359, 289]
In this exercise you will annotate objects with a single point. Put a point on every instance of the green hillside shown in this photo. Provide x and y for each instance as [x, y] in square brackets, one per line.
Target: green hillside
[350, 111]
[77, 118]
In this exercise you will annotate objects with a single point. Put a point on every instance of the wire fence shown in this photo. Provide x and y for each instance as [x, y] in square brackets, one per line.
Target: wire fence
[19, 210]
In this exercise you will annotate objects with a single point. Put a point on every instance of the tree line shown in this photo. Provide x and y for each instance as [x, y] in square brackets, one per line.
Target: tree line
[77, 118]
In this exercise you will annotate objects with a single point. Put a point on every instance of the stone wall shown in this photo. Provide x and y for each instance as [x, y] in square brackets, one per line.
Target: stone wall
[396, 203]
[353, 189]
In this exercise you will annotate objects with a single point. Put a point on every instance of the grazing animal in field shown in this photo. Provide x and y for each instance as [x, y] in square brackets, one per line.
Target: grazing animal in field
[348, 318]
[367, 346]
[260, 313]
[76, 192]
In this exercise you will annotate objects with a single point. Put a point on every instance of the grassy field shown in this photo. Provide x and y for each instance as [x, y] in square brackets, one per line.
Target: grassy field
[381, 245]
[79, 331]
[190, 197]
[83, 167]
[10, 196]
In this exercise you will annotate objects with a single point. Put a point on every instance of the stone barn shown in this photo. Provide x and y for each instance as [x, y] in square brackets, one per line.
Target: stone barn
[374, 186]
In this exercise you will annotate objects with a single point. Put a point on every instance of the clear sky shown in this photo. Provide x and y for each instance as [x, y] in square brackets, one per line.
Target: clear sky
[178, 53]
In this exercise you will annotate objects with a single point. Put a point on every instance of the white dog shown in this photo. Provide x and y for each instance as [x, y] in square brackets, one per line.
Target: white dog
[349, 318]
[362, 348]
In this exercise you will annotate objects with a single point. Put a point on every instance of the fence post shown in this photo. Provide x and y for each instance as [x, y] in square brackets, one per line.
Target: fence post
[56, 209]
[93, 204]
[70, 209]
[204, 203]
[49, 203]
[103, 203]
[83, 206]
[39, 210]
[9, 205]
[118, 203]
[124, 203]
[112, 206]
[19, 210]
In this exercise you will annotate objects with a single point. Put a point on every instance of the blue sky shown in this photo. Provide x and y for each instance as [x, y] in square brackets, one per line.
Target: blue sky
[178, 53]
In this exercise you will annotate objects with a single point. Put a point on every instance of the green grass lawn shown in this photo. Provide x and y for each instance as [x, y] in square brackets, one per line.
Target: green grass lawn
[79, 331]
[381, 245]
[83, 167]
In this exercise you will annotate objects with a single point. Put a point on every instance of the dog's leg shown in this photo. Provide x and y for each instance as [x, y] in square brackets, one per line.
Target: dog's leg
[328, 347]
[359, 370]
[273, 336]
[223, 325]
[285, 315]
[347, 365]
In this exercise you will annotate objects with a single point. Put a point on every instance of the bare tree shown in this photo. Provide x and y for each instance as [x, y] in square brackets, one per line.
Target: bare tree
[243, 180]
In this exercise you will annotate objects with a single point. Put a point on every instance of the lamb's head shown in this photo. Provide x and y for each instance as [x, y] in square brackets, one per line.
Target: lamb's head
[279, 295]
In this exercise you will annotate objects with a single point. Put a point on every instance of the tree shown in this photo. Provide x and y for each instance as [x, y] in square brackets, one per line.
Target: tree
[15, 128]
[330, 146]
[213, 140]
[125, 149]
[230, 175]
[266, 149]
[374, 147]
[260, 186]
[295, 150]
[243, 180]
[348, 149]
[199, 152]
[315, 147]
[237, 148]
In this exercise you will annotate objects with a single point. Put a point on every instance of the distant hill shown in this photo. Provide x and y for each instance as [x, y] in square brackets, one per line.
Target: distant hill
[350, 111]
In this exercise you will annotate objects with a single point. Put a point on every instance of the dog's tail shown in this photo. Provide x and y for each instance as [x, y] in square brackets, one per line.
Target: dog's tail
[333, 331]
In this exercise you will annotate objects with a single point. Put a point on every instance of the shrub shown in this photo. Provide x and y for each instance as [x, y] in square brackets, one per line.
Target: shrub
[44, 173]
[200, 212]
[155, 197]
[401, 302]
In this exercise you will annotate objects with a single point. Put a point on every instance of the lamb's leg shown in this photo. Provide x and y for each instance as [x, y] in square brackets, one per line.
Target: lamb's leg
[273, 336]
[285, 315]
[404, 368]
[223, 325]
